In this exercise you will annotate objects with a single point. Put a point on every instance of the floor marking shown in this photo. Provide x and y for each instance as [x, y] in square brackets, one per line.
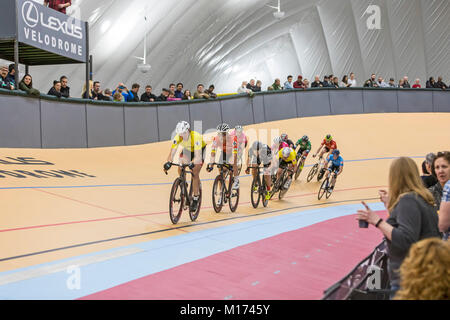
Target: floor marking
[61, 267]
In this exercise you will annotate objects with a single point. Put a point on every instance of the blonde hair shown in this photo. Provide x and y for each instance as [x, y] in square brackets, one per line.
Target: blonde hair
[425, 273]
[91, 86]
[404, 178]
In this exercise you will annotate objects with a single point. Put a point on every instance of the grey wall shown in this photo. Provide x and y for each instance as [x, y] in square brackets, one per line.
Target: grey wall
[52, 123]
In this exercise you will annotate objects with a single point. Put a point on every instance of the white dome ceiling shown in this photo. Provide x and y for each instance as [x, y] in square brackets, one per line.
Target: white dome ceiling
[226, 42]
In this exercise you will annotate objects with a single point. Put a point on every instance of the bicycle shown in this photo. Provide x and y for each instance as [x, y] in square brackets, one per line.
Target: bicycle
[278, 184]
[179, 195]
[258, 189]
[224, 194]
[326, 187]
[300, 166]
[318, 167]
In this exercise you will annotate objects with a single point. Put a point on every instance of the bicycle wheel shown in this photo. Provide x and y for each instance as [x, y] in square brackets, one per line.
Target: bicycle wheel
[176, 201]
[312, 172]
[321, 174]
[255, 192]
[322, 189]
[218, 193]
[299, 170]
[330, 191]
[234, 199]
[194, 215]
[283, 191]
[262, 192]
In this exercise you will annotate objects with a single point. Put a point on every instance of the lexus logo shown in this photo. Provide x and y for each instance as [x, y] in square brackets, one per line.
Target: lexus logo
[30, 14]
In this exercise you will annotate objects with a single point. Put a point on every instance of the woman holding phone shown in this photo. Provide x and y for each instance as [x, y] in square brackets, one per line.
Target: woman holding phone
[412, 215]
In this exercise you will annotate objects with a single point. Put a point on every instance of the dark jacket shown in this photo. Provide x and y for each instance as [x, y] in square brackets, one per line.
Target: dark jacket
[4, 84]
[253, 88]
[53, 92]
[65, 92]
[437, 191]
[406, 85]
[12, 80]
[178, 94]
[133, 97]
[316, 84]
[413, 220]
[146, 98]
[161, 98]
[29, 90]
[441, 85]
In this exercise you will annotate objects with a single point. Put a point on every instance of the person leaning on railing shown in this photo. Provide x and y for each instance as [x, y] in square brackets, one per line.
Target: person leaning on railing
[27, 85]
[413, 216]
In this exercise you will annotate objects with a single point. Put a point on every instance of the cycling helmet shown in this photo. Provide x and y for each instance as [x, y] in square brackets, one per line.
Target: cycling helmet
[336, 152]
[305, 138]
[277, 140]
[284, 137]
[183, 127]
[223, 128]
[286, 152]
[238, 129]
[329, 138]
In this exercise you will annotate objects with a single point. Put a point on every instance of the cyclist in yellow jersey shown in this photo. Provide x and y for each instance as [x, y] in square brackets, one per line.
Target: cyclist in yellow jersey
[287, 157]
[193, 152]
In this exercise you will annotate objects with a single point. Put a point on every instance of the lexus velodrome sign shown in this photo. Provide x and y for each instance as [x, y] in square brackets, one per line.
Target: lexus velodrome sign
[50, 30]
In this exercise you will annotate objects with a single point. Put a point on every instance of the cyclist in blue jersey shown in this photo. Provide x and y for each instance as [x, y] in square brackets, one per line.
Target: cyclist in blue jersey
[335, 165]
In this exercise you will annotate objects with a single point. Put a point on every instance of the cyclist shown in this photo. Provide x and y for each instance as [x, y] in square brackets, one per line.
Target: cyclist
[242, 140]
[336, 166]
[286, 139]
[229, 145]
[303, 151]
[257, 154]
[328, 145]
[193, 152]
[278, 145]
[287, 157]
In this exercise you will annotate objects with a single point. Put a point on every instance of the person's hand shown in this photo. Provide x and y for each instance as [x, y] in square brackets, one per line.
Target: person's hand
[384, 197]
[247, 171]
[367, 215]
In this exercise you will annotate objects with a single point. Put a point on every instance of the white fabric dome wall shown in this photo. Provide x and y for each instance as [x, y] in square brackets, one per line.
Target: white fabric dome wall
[226, 42]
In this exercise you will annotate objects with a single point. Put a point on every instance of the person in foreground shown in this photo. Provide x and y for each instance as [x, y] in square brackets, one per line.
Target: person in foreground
[425, 273]
[412, 211]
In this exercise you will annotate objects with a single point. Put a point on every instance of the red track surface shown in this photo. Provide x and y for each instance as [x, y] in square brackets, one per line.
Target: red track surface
[296, 265]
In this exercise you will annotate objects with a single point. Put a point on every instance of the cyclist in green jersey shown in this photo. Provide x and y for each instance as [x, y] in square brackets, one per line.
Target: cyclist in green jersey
[303, 151]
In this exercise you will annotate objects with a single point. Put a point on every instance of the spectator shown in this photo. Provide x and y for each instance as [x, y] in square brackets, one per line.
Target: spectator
[444, 211]
[424, 273]
[148, 96]
[391, 83]
[345, 83]
[199, 94]
[172, 88]
[65, 90]
[416, 84]
[5, 84]
[187, 95]
[58, 5]
[269, 88]
[258, 86]
[243, 88]
[134, 94]
[123, 90]
[27, 85]
[179, 91]
[441, 170]
[97, 94]
[251, 85]
[352, 80]
[441, 84]
[371, 83]
[172, 97]
[11, 77]
[277, 85]
[56, 89]
[381, 83]
[412, 215]
[428, 179]
[299, 83]
[335, 83]
[164, 95]
[306, 83]
[211, 93]
[431, 83]
[107, 96]
[84, 94]
[289, 85]
[118, 97]
[406, 84]
[401, 83]
[326, 82]
[316, 83]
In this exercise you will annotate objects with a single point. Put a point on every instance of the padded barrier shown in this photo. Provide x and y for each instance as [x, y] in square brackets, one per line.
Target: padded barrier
[48, 122]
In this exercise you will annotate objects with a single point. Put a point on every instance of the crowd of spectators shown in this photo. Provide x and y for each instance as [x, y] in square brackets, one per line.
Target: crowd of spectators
[177, 92]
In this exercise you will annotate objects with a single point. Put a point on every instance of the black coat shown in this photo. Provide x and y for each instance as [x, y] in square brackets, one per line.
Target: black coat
[53, 92]
[65, 92]
[146, 98]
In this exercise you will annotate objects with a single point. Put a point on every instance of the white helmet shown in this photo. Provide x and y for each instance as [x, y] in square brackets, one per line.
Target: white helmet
[183, 127]
[286, 152]
[277, 140]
